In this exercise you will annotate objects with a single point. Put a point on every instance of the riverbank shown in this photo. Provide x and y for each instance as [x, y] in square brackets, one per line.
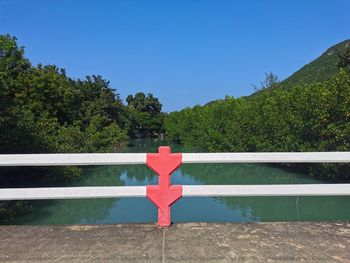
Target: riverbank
[190, 242]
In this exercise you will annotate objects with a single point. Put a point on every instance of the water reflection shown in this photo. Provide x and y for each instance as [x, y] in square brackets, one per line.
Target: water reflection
[233, 209]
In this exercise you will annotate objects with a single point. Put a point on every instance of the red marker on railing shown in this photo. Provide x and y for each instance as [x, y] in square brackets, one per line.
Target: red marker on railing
[164, 194]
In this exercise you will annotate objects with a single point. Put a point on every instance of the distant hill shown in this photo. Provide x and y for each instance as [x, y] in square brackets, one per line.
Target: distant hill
[319, 69]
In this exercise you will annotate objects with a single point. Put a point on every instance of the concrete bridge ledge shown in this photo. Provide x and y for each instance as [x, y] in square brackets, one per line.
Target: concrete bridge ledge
[187, 242]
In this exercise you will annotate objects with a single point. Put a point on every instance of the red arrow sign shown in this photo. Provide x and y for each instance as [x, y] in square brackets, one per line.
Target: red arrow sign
[164, 194]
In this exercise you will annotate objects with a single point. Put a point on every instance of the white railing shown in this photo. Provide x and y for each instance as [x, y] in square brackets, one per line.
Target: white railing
[140, 158]
[188, 190]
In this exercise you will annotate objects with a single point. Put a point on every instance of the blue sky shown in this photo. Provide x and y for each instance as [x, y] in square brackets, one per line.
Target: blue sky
[184, 52]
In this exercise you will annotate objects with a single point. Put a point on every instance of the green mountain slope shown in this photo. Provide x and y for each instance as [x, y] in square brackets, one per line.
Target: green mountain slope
[319, 69]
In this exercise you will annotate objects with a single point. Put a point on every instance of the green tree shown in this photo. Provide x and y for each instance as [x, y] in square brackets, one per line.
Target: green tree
[344, 58]
[308, 117]
[146, 115]
[271, 80]
[43, 110]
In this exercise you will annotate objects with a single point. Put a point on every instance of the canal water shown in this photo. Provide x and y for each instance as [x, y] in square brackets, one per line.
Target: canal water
[220, 209]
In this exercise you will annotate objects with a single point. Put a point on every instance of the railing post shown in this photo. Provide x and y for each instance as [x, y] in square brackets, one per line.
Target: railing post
[164, 194]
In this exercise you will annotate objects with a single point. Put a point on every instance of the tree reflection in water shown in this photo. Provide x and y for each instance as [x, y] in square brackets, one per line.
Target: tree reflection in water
[221, 209]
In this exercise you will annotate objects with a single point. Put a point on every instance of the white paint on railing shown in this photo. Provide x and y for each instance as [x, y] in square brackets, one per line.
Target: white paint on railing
[71, 159]
[188, 191]
[267, 190]
[140, 158]
[267, 157]
[71, 192]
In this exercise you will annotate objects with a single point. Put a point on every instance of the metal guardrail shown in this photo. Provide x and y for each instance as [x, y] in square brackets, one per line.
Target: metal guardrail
[164, 163]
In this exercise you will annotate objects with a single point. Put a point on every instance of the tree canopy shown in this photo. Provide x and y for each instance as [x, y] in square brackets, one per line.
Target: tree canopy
[146, 114]
[308, 117]
[42, 110]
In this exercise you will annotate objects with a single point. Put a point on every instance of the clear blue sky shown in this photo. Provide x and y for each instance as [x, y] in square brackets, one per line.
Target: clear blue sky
[184, 52]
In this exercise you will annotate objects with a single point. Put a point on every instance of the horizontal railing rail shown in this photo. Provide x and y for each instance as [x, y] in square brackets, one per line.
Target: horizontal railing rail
[188, 191]
[164, 163]
[78, 159]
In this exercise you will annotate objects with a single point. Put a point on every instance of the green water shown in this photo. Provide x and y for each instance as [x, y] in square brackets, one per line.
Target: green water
[232, 209]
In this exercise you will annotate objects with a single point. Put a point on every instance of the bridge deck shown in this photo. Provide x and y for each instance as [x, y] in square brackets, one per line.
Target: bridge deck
[189, 242]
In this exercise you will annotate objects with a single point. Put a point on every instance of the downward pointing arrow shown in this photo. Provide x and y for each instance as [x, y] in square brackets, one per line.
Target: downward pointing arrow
[164, 194]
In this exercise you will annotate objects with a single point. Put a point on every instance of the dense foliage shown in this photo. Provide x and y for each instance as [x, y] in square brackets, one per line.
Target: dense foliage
[42, 110]
[309, 117]
[145, 115]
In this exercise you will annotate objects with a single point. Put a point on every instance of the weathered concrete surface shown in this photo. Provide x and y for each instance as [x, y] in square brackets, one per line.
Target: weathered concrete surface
[191, 242]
